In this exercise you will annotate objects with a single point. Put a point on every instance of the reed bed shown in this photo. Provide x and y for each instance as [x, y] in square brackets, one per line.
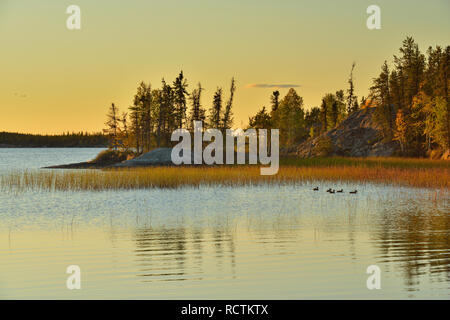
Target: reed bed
[177, 177]
[384, 162]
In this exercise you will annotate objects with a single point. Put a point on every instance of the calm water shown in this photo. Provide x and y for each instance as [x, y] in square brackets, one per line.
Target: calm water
[279, 242]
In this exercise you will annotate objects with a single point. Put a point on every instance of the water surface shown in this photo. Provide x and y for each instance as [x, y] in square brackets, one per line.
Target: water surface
[266, 242]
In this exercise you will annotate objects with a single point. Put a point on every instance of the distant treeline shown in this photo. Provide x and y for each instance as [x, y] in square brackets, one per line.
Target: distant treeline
[65, 140]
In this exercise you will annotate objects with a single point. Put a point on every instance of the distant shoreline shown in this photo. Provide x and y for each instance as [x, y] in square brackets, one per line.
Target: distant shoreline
[5, 146]
[66, 140]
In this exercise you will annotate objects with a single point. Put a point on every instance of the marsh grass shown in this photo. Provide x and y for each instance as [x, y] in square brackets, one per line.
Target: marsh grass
[389, 171]
[370, 162]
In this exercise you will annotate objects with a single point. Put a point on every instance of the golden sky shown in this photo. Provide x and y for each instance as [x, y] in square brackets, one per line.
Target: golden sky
[54, 79]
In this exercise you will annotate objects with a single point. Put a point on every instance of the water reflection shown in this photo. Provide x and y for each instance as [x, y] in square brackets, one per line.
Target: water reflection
[178, 254]
[417, 242]
[263, 242]
[409, 239]
[161, 253]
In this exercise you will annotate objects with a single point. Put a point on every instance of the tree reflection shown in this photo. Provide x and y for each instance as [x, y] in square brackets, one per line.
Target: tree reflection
[418, 241]
[180, 253]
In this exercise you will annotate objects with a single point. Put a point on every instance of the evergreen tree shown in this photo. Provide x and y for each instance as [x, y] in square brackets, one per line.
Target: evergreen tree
[333, 109]
[125, 135]
[380, 92]
[215, 114]
[410, 68]
[227, 120]
[180, 93]
[290, 119]
[136, 127]
[197, 111]
[261, 120]
[143, 107]
[324, 115]
[112, 124]
[312, 122]
[352, 103]
[166, 115]
[274, 99]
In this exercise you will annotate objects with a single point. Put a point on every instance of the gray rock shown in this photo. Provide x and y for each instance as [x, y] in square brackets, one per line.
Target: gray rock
[156, 157]
[357, 136]
[160, 157]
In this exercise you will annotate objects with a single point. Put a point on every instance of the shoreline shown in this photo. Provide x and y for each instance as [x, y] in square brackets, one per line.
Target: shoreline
[79, 165]
[285, 161]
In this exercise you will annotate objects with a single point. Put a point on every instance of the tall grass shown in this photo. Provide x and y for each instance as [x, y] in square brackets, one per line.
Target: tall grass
[176, 177]
[384, 162]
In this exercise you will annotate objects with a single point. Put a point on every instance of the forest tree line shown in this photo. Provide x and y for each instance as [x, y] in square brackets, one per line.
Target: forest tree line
[297, 125]
[65, 140]
[156, 112]
[410, 99]
[411, 102]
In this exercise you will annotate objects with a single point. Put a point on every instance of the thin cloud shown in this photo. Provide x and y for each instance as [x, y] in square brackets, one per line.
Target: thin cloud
[268, 85]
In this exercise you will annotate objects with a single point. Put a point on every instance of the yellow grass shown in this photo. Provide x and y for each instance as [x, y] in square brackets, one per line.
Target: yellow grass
[176, 177]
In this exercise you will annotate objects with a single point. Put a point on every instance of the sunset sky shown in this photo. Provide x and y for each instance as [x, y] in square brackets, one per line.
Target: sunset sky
[53, 79]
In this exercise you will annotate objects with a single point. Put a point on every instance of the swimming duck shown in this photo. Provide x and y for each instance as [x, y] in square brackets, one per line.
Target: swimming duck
[316, 189]
[354, 191]
[340, 191]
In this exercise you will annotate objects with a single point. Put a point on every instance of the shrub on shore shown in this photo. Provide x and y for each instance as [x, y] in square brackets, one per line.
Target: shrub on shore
[110, 156]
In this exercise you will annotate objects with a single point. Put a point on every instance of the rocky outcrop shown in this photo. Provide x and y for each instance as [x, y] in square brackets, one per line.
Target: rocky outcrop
[357, 136]
[156, 157]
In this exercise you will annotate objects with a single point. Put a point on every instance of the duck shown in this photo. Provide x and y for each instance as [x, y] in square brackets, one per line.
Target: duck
[340, 191]
[329, 190]
[316, 189]
[354, 191]
[332, 191]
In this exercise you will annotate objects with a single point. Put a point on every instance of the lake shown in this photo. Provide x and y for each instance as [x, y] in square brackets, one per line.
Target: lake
[260, 242]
